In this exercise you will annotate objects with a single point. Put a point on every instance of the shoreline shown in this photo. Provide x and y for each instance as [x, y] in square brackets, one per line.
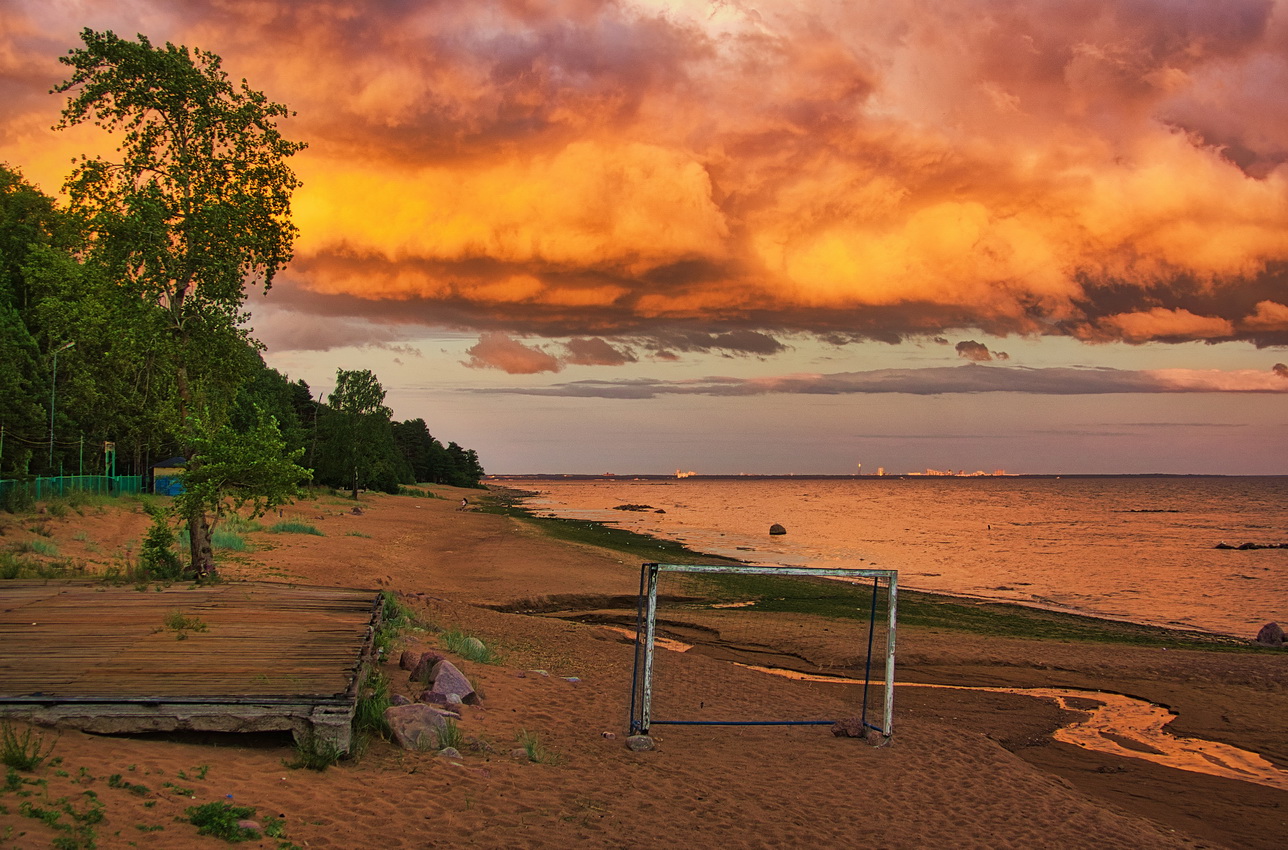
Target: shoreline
[611, 536]
[992, 754]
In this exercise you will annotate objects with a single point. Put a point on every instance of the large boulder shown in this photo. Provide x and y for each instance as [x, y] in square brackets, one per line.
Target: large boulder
[449, 680]
[1271, 635]
[415, 726]
[423, 671]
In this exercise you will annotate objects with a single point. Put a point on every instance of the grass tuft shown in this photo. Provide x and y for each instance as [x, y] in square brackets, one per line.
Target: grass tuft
[292, 526]
[25, 751]
[468, 647]
[314, 753]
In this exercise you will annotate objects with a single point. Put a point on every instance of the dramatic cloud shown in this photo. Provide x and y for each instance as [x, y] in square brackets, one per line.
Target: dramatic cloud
[933, 381]
[498, 351]
[969, 349]
[671, 177]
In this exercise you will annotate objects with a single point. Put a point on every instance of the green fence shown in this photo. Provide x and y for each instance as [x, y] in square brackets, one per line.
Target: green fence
[63, 485]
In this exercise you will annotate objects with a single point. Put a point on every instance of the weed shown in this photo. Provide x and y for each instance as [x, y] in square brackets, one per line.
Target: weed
[115, 781]
[532, 746]
[42, 529]
[144, 827]
[12, 781]
[23, 751]
[314, 753]
[450, 735]
[468, 647]
[373, 700]
[81, 537]
[292, 526]
[57, 509]
[241, 525]
[179, 789]
[220, 820]
[356, 534]
[395, 618]
[181, 625]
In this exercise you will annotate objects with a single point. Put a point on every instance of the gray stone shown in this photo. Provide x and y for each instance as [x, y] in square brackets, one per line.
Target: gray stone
[1271, 634]
[450, 752]
[409, 659]
[415, 726]
[639, 743]
[449, 680]
[474, 648]
[399, 699]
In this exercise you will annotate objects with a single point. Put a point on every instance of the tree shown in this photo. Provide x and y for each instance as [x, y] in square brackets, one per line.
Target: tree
[354, 422]
[229, 470]
[196, 203]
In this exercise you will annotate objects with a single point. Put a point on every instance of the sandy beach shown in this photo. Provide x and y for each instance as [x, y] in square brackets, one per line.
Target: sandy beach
[965, 768]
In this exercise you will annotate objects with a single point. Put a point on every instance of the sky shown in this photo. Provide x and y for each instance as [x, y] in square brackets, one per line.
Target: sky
[1047, 236]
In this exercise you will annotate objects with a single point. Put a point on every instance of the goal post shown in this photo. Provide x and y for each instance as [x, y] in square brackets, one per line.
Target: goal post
[861, 603]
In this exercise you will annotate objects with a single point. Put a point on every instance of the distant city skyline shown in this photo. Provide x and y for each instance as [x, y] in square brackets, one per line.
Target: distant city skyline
[653, 235]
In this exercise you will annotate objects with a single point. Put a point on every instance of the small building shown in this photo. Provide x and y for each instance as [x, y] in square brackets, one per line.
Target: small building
[167, 476]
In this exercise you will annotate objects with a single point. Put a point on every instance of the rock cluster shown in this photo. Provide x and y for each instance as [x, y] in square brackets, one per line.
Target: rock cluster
[416, 725]
[1250, 546]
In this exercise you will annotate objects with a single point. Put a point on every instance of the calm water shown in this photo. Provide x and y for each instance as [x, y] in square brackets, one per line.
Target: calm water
[1137, 549]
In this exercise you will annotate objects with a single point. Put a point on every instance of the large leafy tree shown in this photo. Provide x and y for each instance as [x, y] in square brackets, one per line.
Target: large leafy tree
[357, 433]
[195, 203]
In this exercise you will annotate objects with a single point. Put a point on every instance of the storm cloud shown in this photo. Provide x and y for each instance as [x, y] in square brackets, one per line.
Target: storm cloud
[654, 178]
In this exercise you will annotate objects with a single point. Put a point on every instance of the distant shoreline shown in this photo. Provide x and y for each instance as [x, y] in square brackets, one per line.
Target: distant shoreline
[610, 476]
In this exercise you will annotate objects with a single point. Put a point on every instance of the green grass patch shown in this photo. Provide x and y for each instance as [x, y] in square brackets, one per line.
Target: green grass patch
[356, 534]
[222, 538]
[220, 821]
[837, 600]
[314, 753]
[182, 625]
[373, 700]
[291, 526]
[468, 647]
[395, 618]
[241, 525]
[535, 751]
[641, 547]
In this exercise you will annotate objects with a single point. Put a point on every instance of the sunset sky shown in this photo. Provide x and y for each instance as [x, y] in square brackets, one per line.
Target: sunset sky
[775, 237]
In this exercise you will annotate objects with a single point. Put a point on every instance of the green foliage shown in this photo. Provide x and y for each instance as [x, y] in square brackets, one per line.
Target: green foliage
[25, 750]
[373, 700]
[115, 781]
[395, 618]
[313, 752]
[450, 735]
[294, 527]
[532, 747]
[181, 624]
[229, 472]
[468, 647]
[223, 539]
[41, 547]
[220, 819]
[157, 558]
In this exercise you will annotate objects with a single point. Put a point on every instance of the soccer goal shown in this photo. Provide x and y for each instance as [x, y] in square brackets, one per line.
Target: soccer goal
[831, 628]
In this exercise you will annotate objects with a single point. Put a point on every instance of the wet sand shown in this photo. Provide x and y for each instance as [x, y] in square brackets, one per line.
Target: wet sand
[966, 768]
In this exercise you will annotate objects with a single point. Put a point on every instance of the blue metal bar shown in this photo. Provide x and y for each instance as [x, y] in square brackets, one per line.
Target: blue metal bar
[744, 723]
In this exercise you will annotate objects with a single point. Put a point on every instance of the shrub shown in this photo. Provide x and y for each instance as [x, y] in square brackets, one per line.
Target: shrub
[156, 554]
[23, 751]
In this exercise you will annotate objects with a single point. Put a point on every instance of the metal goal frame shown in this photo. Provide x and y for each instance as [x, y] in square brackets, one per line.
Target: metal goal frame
[646, 631]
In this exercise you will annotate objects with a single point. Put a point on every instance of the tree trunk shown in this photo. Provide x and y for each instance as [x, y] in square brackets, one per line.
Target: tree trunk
[203, 556]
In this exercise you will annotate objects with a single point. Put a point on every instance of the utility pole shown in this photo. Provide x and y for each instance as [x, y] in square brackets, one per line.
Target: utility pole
[53, 389]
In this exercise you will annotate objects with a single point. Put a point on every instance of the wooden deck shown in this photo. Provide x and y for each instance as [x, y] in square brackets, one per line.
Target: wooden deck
[101, 658]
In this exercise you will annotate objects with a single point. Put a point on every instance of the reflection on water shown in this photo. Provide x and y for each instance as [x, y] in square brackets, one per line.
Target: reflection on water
[1117, 719]
[1140, 549]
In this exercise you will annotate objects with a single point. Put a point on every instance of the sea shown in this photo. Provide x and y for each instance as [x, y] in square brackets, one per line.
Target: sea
[1143, 549]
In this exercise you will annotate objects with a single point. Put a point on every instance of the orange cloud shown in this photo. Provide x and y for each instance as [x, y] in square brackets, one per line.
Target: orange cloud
[1105, 171]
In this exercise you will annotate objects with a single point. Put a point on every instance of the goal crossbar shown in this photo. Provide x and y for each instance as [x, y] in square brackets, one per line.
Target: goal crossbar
[646, 634]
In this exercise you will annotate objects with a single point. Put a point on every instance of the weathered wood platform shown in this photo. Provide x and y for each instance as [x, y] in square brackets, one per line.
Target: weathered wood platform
[272, 657]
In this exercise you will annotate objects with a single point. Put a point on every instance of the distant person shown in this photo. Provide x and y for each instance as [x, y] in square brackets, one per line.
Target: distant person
[465, 504]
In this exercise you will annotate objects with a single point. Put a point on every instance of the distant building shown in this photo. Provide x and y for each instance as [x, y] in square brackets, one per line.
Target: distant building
[167, 476]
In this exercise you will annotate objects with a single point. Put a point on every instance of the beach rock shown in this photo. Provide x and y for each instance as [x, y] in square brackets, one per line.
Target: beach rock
[639, 743]
[428, 698]
[633, 508]
[1271, 634]
[415, 726]
[450, 753]
[449, 680]
[849, 727]
[399, 699]
[474, 647]
[424, 669]
[777, 529]
[409, 659]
